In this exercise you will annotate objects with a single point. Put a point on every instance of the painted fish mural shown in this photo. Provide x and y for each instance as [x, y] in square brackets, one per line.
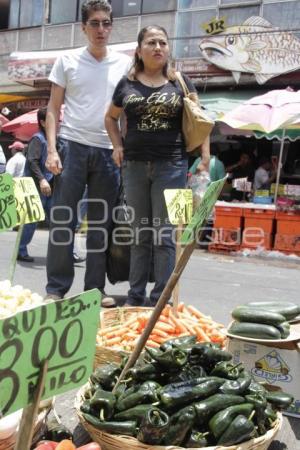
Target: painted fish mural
[254, 47]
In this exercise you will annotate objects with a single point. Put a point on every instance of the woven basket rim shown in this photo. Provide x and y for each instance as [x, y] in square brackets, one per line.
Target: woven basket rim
[126, 440]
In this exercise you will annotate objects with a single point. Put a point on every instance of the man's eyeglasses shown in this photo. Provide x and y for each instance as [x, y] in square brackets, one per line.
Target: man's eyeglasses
[97, 23]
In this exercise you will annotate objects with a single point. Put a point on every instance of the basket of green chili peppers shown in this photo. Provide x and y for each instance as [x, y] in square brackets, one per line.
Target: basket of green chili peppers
[181, 395]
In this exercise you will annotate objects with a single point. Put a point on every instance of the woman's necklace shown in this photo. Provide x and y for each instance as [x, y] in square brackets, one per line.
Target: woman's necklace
[151, 83]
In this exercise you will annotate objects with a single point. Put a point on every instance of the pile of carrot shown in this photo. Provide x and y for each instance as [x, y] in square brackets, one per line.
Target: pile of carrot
[185, 321]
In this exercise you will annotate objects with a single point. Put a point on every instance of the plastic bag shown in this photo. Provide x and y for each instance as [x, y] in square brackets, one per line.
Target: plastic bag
[198, 183]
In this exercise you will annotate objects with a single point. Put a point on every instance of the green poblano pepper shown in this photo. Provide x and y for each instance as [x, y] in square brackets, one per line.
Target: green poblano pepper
[238, 386]
[215, 403]
[184, 341]
[104, 402]
[175, 358]
[127, 428]
[207, 355]
[153, 427]
[219, 423]
[136, 413]
[181, 424]
[106, 376]
[146, 393]
[227, 370]
[241, 429]
[197, 439]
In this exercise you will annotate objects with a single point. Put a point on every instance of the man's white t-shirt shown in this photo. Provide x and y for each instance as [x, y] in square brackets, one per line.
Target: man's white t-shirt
[16, 164]
[261, 177]
[89, 85]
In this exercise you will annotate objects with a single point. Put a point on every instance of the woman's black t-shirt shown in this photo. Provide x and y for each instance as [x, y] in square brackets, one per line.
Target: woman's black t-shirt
[153, 119]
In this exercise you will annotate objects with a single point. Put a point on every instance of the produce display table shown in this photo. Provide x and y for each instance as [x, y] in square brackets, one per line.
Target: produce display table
[248, 225]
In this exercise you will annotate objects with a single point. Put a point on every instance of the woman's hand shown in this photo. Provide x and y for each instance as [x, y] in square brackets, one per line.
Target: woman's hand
[203, 166]
[118, 155]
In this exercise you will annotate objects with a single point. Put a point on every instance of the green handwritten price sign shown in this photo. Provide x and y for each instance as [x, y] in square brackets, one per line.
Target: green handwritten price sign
[63, 333]
[179, 205]
[8, 214]
[203, 211]
[28, 200]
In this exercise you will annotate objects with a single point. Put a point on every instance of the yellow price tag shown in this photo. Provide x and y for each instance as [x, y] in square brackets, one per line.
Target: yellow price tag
[28, 200]
[179, 205]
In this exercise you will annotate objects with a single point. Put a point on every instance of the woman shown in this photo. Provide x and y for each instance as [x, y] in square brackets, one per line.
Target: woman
[153, 157]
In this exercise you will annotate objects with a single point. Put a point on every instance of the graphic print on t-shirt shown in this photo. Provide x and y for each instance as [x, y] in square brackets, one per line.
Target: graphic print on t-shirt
[156, 112]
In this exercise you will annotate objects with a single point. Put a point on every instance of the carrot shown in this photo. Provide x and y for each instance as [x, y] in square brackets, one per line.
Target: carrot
[180, 327]
[160, 333]
[180, 307]
[195, 312]
[201, 335]
[119, 332]
[156, 338]
[151, 343]
[164, 327]
[113, 341]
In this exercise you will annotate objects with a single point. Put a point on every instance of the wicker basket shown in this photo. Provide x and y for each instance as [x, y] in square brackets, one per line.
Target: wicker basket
[118, 442]
[109, 318]
[39, 429]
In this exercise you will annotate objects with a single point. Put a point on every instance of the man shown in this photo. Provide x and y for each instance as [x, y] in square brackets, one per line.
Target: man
[15, 165]
[265, 174]
[84, 80]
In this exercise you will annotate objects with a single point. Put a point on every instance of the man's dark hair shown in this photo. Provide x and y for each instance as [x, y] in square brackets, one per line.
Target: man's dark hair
[263, 160]
[41, 115]
[90, 6]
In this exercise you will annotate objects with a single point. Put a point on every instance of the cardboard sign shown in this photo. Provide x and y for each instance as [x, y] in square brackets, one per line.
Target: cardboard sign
[242, 184]
[179, 205]
[8, 214]
[203, 211]
[28, 200]
[215, 26]
[62, 332]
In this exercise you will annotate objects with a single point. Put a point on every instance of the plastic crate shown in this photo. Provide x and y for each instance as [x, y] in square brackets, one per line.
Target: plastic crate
[252, 241]
[263, 219]
[288, 222]
[228, 217]
[288, 243]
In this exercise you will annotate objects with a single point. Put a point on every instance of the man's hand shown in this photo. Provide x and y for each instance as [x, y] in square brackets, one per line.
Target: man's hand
[45, 187]
[53, 163]
[117, 156]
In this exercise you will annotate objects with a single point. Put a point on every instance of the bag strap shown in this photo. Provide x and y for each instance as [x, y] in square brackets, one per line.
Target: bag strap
[182, 84]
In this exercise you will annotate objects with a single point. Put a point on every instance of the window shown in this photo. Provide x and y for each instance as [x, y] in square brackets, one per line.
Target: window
[231, 2]
[152, 6]
[14, 12]
[31, 13]
[62, 11]
[185, 4]
[236, 16]
[284, 15]
[126, 7]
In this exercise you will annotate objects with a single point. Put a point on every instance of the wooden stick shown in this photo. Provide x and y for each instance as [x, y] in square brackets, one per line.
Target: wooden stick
[175, 296]
[12, 265]
[163, 299]
[26, 429]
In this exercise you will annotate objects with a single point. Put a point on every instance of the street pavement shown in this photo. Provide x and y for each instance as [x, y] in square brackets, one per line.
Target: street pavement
[215, 284]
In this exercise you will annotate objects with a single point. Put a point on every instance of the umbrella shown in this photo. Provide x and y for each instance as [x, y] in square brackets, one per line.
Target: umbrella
[272, 114]
[3, 120]
[24, 126]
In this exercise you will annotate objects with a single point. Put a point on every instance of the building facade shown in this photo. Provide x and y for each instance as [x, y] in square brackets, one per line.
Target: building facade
[47, 25]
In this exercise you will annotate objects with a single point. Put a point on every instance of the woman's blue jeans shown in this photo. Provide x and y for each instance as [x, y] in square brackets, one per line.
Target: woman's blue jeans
[144, 184]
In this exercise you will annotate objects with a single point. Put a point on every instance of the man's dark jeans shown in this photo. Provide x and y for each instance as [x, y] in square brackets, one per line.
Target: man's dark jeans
[82, 165]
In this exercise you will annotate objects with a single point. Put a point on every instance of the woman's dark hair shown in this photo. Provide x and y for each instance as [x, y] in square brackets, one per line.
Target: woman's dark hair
[90, 6]
[138, 65]
[41, 115]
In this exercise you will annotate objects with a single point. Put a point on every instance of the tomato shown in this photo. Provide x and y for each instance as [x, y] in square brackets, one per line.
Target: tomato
[46, 445]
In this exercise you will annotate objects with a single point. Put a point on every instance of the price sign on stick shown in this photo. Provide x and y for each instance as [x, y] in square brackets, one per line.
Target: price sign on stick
[179, 205]
[8, 215]
[28, 200]
[203, 211]
[63, 333]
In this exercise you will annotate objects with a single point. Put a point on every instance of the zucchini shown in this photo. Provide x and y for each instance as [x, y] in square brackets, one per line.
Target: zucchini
[288, 309]
[254, 330]
[284, 329]
[257, 315]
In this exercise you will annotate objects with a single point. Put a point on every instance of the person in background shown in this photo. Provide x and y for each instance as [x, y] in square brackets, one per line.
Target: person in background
[153, 157]
[35, 168]
[15, 165]
[2, 160]
[244, 168]
[216, 167]
[84, 80]
[265, 174]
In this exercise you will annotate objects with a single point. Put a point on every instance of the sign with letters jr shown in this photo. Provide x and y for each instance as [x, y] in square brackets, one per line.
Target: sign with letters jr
[28, 200]
[8, 214]
[179, 205]
[62, 332]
